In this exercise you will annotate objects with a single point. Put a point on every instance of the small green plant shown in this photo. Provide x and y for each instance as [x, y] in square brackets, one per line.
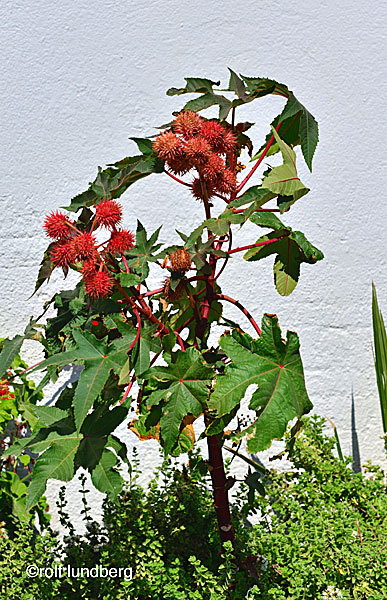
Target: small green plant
[380, 358]
[18, 414]
[116, 326]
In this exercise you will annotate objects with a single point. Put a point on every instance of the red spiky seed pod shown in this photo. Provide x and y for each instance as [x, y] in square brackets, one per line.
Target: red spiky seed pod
[167, 145]
[98, 285]
[199, 189]
[213, 168]
[108, 214]
[62, 254]
[120, 241]
[188, 124]
[58, 226]
[181, 260]
[89, 268]
[212, 131]
[84, 246]
[180, 164]
[198, 151]
[227, 182]
[229, 143]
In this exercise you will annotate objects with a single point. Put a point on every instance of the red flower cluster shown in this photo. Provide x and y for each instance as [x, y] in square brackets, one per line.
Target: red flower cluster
[194, 143]
[5, 394]
[75, 246]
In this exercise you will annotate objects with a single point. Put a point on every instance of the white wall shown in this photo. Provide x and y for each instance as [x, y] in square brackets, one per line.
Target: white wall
[81, 77]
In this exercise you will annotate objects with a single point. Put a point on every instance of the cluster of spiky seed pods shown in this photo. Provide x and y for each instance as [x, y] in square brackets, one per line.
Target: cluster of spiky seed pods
[80, 248]
[204, 145]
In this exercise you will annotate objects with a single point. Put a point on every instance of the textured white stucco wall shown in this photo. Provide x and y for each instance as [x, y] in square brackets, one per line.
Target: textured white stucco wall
[79, 78]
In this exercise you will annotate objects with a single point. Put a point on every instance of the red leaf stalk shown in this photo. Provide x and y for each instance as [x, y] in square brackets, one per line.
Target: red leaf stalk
[260, 159]
[242, 308]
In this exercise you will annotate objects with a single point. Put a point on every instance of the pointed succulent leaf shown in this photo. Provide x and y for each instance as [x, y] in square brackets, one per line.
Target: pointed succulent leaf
[275, 366]
[183, 389]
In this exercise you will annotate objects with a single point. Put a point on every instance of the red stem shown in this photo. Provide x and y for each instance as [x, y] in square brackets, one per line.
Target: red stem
[220, 492]
[242, 308]
[241, 210]
[241, 248]
[260, 159]
[132, 345]
[153, 292]
[177, 179]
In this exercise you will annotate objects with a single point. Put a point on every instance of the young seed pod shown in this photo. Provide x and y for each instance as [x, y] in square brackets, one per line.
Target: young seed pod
[181, 260]
[170, 294]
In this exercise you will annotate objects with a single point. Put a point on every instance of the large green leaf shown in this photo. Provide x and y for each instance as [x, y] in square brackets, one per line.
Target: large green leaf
[298, 127]
[55, 463]
[207, 98]
[96, 429]
[140, 355]
[11, 348]
[284, 180]
[275, 365]
[115, 179]
[183, 387]
[105, 476]
[99, 359]
[291, 251]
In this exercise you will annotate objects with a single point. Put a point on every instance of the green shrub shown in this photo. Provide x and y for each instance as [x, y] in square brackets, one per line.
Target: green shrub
[321, 534]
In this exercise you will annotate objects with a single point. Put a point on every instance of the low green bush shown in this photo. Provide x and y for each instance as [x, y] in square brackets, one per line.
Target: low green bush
[320, 534]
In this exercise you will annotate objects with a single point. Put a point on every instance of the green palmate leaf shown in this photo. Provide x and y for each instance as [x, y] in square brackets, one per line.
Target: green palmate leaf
[99, 359]
[115, 179]
[145, 145]
[291, 251]
[140, 355]
[210, 99]
[298, 127]
[284, 180]
[129, 279]
[55, 463]
[275, 365]
[105, 476]
[256, 195]
[144, 251]
[261, 86]
[183, 388]
[11, 348]
[48, 415]
[96, 428]
[237, 85]
[45, 270]
[206, 99]
[194, 84]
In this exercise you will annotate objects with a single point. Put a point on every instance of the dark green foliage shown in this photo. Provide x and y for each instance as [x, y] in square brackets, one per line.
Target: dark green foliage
[319, 525]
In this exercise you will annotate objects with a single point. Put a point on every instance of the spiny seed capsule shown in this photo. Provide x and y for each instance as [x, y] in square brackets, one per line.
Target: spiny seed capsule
[181, 260]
